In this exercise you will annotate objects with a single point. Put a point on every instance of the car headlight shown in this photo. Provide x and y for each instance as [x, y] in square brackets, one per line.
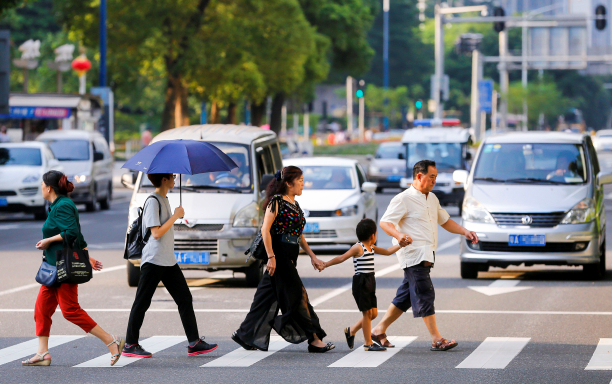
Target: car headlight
[347, 211]
[80, 179]
[475, 212]
[247, 216]
[30, 179]
[583, 212]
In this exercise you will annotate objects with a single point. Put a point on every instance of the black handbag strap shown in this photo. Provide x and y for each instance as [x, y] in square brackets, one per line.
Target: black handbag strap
[148, 230]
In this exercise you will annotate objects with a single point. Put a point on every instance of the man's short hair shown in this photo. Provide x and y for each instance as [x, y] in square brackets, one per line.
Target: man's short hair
[365, 229]
[156, 178]
[422, 167]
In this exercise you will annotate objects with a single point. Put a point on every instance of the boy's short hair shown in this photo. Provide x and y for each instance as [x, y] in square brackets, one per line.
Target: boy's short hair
[156, 178]
[365, 229]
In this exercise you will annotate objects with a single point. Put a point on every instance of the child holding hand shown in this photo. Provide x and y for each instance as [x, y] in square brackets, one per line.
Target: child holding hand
[364, 283]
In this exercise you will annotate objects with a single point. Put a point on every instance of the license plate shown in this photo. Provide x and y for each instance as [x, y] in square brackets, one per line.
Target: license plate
[394, 178]
[311, 228]
[527, 240]
[192, 257]
[3, 202]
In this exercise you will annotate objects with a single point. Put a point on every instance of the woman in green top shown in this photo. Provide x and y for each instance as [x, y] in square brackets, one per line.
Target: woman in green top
[63, 221]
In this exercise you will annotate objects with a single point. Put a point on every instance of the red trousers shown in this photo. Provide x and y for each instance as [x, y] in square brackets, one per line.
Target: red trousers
[67, 296]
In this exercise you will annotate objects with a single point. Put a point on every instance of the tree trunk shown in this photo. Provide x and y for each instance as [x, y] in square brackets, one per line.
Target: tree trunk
[258, 111]
[214, 113]
[276, 113]
[231, 114]
[176, 109]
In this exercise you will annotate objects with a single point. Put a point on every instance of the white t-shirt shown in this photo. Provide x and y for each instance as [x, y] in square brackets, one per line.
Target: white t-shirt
[417, 215]
[159, 252]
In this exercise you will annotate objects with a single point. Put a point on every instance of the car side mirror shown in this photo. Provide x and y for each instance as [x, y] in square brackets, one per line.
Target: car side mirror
[400, 156]
[369, 187]
[468, 156]
[127, 179]
[369, 157]
[460, 176]
[604, 178]
[98, 156]
[265, 181]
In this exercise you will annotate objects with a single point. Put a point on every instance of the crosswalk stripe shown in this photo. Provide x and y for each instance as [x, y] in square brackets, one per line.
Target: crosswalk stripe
[243, 358]
[29, 348]
[152, 344]
[360, 358]
[602, 357]
[495, 353]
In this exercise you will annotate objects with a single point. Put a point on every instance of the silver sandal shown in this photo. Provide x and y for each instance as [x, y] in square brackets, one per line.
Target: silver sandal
[120, 343]
[42, 362]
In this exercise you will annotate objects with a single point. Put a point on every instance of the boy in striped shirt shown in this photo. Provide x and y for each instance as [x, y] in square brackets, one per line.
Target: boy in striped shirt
[364, 283]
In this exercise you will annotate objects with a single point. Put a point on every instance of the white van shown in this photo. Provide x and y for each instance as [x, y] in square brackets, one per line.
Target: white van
[223, 210]
[449, 148]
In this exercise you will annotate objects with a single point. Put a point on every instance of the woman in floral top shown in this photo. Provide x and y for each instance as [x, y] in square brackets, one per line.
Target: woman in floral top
[281, 286]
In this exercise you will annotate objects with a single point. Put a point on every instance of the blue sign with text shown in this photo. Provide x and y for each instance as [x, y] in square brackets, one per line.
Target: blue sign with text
[485, 95]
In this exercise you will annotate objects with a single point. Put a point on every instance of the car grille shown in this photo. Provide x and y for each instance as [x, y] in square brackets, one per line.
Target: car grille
[200, 245]
[30, 191]
[198, 227]
[323, 234]
[8, 193]
[322, 213]
[491, 246]
[538, 219]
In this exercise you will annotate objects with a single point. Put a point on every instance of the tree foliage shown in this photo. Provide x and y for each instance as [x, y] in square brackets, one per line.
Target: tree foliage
[542, 97]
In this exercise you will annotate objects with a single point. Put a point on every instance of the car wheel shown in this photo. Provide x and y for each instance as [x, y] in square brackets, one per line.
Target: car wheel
[254, 273]
[598, 270]
[379, 190]
[133, 274]
[470, 270]
[105, 203]
[42, 213]
[92, 206]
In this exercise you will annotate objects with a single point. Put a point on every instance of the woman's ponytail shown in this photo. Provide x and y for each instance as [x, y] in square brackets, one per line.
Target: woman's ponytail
[65, 187]
[59, 182]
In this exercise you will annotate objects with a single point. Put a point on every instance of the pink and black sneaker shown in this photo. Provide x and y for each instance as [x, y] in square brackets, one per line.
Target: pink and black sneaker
[135, 350]
[200, 347]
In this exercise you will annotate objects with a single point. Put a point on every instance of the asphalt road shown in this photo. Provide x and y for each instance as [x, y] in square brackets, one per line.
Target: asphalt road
[546, 328]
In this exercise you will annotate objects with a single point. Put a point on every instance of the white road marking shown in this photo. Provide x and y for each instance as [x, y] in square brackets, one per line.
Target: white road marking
[495, 353]
[243, 358]
[29, 348]
[360, 358]
[499, 287]
[383, 272]
[152, 344]
[116, 245]
[602, 357]
[36, 285]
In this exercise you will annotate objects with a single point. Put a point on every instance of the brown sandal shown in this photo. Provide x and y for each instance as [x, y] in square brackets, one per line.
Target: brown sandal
[378, 340]
[443, 345]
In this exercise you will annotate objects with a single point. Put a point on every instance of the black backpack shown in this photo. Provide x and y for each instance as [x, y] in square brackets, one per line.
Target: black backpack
[134, 240]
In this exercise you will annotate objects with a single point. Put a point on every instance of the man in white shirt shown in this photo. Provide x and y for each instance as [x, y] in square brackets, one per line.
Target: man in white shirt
[413, 217]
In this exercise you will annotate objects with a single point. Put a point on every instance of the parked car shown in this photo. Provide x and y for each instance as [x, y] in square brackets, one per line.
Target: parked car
[223, 210]
[449, 148]
[21, 168]
[336, 196]
[87, 162]
[603, 140]
[535, 198]
[387, 167]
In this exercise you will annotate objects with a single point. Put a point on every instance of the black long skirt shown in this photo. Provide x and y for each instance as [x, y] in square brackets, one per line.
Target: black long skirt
[283, 291]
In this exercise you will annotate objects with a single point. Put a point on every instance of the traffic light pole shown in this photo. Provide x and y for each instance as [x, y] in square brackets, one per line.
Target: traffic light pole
[349, 106]
[439, 61]
[474, 107]
[361, 119]
[503, 79]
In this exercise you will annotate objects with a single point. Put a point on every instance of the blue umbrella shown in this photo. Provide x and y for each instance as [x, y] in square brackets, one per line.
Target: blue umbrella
[187, 157]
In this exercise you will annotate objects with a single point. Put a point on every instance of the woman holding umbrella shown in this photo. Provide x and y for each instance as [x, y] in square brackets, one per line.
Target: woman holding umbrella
[281, 286]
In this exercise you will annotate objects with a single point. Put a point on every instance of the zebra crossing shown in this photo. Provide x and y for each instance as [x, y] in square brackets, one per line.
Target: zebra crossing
[492, 353]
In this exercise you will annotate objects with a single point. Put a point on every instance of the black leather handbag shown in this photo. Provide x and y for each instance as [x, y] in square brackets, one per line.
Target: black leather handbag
[257, 249]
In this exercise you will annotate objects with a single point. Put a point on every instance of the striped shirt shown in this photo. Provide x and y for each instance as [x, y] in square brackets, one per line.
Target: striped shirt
[365, 262]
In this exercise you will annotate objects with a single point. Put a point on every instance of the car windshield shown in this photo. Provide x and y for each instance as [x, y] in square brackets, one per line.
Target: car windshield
[236, 181]
[390, 151]
[446, 155]
[531, 163]
[20, 156]
[328, 177]
[69, 150]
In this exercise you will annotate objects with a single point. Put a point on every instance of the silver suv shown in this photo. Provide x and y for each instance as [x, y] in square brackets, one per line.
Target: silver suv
[535, 198]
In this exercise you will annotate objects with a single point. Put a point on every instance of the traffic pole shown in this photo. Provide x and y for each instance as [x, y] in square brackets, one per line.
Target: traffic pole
[361, 119]
[349, 106]
[102, 76]
[386, 58]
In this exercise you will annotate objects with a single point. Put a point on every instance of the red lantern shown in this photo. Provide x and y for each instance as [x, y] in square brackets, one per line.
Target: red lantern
[81, 65]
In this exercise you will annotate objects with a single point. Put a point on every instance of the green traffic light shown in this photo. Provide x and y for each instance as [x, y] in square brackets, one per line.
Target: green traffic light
[359, 93]
[418, 104]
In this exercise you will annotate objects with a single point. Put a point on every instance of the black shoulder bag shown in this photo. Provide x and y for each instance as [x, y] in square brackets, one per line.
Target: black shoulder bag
[73, 266]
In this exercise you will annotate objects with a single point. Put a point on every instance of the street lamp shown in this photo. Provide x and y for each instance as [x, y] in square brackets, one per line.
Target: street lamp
[30, 50]
[63, 57]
